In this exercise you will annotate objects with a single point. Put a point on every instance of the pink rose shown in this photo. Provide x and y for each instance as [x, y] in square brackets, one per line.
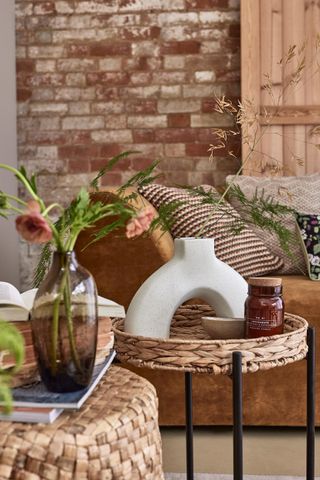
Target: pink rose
[141, 223]
[32, 226]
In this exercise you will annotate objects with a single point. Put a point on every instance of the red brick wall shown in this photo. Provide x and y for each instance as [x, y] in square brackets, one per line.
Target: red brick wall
[96, 77]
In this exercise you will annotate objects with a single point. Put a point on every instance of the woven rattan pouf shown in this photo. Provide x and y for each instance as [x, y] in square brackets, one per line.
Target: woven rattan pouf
[115, 435]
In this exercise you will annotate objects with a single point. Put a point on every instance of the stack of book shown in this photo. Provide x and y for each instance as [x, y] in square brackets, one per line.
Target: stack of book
[35, 404]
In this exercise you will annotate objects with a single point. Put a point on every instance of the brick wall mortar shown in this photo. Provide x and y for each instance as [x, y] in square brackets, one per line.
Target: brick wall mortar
[97, 77]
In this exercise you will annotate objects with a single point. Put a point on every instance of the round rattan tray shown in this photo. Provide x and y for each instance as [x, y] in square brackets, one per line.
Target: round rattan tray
[190, 349]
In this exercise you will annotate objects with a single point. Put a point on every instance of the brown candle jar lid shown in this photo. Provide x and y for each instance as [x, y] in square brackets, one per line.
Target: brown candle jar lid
[265, 281]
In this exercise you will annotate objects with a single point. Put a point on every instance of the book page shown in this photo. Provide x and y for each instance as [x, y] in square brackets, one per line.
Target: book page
[9, 295]
[106, 301]
[28, 297]
[32, 415]
[109, 308]
[115, 310]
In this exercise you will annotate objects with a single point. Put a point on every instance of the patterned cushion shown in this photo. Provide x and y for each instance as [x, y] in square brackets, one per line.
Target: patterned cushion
[244, 251]
[299, 193]
[309, 229]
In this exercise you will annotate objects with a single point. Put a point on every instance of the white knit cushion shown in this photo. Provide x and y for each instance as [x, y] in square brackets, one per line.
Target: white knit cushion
[244, 251]
[300, 193]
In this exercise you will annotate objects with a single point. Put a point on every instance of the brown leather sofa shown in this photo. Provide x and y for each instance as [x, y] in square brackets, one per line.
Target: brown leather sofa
[272, 398]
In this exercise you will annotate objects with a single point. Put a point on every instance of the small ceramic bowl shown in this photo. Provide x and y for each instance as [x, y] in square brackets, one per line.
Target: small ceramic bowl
[224, 328]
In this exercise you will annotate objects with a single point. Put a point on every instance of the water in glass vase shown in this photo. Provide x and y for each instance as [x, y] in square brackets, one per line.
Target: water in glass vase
[64, 325]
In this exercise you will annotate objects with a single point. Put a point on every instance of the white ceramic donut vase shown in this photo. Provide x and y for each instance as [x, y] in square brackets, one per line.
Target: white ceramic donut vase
[193, 272]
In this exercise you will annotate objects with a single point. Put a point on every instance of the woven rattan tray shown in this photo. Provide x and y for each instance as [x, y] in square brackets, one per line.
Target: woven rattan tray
[190, 349]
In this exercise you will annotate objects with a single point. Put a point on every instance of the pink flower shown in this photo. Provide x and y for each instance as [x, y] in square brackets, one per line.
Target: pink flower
[32, 226]
[33, 206]
[141, 223]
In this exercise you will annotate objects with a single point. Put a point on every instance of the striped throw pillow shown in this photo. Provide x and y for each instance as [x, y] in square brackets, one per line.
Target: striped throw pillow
[243, 251]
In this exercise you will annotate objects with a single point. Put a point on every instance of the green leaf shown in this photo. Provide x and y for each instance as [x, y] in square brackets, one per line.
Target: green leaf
[82, 200]
[265, 212]
[103, 232]
[11, 341]
[141, 179]
[5, 396]
[23, 171]
[209, 197]
[316, 249]
[42, 265]
[110, 164]
[3, 200]
[31, 181]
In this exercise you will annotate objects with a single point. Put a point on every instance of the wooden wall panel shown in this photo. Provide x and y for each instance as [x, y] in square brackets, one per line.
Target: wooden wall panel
[312, 25]
[271, 71]
[294, 147]
[250, 82]
[289, 114]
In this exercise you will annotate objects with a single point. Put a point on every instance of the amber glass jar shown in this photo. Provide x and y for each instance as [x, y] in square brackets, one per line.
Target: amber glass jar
[264, 307]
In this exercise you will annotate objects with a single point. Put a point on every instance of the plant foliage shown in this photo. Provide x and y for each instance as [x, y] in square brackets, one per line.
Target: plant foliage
[11, 343]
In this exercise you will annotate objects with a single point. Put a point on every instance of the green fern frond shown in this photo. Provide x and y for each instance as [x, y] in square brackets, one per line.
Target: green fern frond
[103, 232]
[141, 179]
[264, 212]
[110, 164]
[42, 265]
[206, 196]
[166, 216]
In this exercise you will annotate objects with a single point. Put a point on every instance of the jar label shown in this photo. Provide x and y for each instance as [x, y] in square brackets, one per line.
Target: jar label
[264, 324]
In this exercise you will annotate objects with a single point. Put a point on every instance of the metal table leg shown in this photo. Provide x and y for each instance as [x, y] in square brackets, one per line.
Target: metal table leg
[311, 359]
[237, 416]
[189, 425]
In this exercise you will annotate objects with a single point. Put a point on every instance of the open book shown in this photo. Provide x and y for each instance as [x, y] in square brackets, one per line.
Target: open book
[15, 306]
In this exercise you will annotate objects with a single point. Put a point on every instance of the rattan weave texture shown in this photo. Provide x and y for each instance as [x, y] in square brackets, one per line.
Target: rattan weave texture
[114, 436]
[189, 347]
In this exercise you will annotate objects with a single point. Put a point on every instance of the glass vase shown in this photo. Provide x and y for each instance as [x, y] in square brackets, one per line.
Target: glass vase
[64, 324]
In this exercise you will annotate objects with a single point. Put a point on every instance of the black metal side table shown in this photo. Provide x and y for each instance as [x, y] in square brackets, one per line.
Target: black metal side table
[237, 414]
[190, 350]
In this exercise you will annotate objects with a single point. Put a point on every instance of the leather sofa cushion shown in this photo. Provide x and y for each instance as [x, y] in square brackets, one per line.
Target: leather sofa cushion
[302, 297]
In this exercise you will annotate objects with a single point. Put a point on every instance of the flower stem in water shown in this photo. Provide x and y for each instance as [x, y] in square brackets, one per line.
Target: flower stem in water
[67, 306]
[54, 335]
